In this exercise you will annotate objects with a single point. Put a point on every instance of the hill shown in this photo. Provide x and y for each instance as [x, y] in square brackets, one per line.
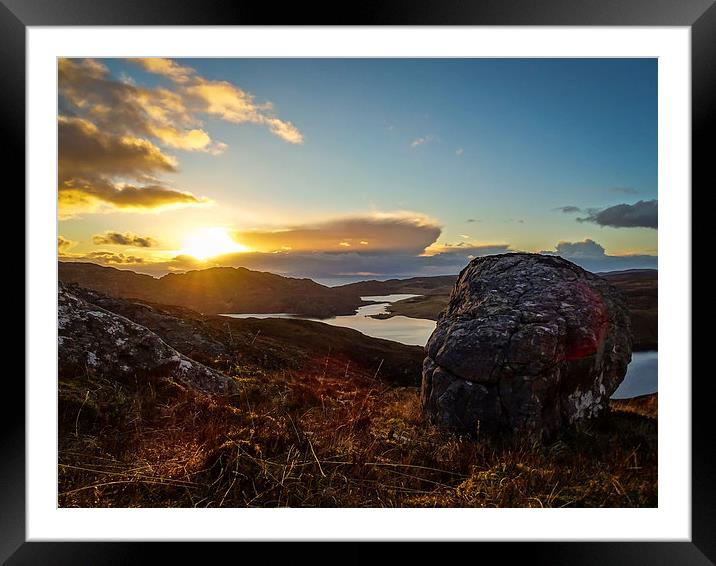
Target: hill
[639, 286]
[281, 344]
[322, 417]
[238, 290]
[216, 290]
[641, 289]
[438, 285]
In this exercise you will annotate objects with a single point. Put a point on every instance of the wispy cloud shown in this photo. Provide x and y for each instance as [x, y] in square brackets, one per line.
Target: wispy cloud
[459, 151]
[568, 209]
[221, 98]
[166, 67]
[417, 142]
[623, 190]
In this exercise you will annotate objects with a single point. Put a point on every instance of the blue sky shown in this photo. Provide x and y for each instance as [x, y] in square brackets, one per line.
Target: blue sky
[486, 150]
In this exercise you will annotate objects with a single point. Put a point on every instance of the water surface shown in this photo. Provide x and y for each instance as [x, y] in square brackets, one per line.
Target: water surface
[640, 379]
[403, 329]
[641, 376]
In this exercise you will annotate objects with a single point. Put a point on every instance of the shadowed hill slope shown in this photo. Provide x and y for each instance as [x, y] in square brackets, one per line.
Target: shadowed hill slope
[231, 344]
[216, 290]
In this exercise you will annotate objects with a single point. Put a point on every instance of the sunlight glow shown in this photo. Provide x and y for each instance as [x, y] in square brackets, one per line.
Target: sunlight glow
[210, 242]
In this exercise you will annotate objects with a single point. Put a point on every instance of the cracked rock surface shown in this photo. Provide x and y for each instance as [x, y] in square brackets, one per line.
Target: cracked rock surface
[92, 339]
[528, 343]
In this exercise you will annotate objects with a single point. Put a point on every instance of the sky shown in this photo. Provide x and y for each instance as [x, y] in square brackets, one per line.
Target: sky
[346, 169]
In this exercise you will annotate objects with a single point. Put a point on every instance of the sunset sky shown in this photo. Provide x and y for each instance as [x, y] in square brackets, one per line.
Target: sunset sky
[344, 169]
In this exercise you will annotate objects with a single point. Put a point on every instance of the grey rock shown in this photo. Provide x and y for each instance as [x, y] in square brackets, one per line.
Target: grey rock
[528, 343]
[93, 339]
[181, 328]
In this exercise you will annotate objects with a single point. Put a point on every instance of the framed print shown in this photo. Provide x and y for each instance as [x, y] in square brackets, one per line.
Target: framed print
[293, 278]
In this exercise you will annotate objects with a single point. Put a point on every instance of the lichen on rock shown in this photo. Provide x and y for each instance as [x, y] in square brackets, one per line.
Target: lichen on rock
[91, 339]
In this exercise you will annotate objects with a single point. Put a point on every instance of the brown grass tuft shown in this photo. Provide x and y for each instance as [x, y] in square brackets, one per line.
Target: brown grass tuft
[322, 438]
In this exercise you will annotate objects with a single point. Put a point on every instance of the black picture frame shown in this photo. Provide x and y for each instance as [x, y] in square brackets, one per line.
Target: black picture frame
[699, 15]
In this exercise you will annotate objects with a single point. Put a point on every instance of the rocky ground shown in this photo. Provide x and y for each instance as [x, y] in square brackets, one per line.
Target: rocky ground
[320, 416]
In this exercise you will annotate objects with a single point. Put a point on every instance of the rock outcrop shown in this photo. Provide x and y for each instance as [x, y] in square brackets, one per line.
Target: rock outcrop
[529, 343]
[183, 329]
[93, 339]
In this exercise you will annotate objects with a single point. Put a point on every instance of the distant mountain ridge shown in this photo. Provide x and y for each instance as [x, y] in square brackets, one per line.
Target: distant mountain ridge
[434, 285]
[216, 290]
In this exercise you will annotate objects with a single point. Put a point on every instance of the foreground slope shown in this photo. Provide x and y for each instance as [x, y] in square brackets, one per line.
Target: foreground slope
[317, 422]
[96, 341]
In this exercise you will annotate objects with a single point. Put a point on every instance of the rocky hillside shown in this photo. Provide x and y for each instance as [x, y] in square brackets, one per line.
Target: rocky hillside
[229, 344]
[216, 290]
[96, 341]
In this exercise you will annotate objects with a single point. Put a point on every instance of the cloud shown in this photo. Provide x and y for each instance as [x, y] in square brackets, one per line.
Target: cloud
[76, 197]
[465, 249]
[167, 68]
[421, 141]
[593, 257]
[119, 107]
[123, 239]
[623, 190]
[171, 116]
[351, 264]
[586, 249]
[231, 103]
[92, 160]
[568, 209]
[642, 214]
[63, 244]
[112, 133]
[459, 151]
[112, 258]
[402, 231]
[85, 151]
[471, 220]
[285, 130]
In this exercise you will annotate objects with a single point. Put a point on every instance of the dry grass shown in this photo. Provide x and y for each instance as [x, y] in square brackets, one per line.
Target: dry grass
[325, 437]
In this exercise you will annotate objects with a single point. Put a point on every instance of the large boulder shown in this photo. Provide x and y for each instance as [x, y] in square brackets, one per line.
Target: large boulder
[93, 339]
[529, 343]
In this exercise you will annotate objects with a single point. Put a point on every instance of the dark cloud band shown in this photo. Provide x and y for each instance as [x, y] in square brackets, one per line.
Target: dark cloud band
[642, 214]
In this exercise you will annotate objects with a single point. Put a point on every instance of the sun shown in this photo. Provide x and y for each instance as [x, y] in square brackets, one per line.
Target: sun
[210, 242]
